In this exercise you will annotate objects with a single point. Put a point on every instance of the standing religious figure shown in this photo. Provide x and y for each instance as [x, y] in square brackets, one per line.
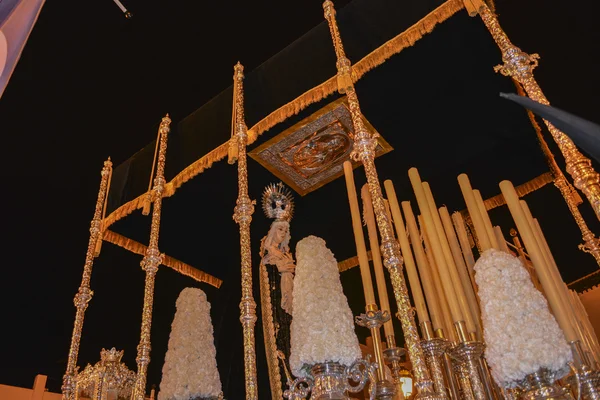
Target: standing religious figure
[277, 268]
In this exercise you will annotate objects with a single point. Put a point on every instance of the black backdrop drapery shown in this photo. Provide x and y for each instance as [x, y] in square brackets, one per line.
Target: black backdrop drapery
[436, 103]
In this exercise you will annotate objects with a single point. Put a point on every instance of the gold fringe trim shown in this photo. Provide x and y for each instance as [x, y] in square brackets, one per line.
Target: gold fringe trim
[588, 276]
[352, 262]
[377, 57]
[407, 38]
[181, 267]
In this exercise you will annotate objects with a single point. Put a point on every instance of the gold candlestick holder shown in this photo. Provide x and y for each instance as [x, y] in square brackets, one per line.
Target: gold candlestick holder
[467, 354]
[434, 349]
[364, 151]
[331, 380]
[84, 294]
[520, 66]
[393, 356]
[465, 391]
[150, 263]
[539, 386]
[585, 379]
[242, 215]
[373, 319]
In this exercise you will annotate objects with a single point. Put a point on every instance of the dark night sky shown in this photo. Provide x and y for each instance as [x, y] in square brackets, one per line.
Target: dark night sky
[91, 84]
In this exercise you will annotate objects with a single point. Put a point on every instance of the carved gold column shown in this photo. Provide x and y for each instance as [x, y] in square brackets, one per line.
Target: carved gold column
[243, 216]
[84, 294]
[591, 243]
[152, 259]
[520, 65]
[364, 151]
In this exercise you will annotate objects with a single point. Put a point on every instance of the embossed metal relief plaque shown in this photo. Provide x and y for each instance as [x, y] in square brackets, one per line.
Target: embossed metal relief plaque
[310, 154]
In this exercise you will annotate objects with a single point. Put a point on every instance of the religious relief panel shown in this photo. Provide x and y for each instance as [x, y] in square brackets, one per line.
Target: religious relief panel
[311, 153]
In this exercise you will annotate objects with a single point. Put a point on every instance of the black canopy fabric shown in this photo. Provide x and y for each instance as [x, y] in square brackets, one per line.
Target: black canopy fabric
[584, 133]
[436, 103]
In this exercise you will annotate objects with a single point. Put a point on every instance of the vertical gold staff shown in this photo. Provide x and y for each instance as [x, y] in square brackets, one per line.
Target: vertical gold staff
[364, 151]
[84, 294]
[519, 65]
[591, 243]
[242, 215]
[152, 259]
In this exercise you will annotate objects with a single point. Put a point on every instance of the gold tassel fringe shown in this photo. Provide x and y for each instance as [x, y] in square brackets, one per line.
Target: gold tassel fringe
[352, 262]
[181, 267]
[232, 152]
[377, 57]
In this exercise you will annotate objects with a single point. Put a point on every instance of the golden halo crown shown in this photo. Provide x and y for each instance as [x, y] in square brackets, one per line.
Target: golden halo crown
[277, 202]
[112, 355]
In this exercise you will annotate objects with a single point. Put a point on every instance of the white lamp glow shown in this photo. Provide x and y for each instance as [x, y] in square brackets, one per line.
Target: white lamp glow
[407, 383]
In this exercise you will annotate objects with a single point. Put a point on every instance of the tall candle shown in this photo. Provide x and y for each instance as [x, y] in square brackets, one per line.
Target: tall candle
[436, 247]
[424, 268]
[550, 264]
[583, 316]
[369, 216]
[537, 258]
[478, 224]
[553, 267]
[500, 239]
[465, 245]
[444, 306]
[486, 219]
[461, 268]
[463, 302]
[409, 262]
[359, 238]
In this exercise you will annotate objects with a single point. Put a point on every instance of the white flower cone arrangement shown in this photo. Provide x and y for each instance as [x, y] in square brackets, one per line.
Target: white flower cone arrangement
[190, 369]
[521, 334]
[323, 326]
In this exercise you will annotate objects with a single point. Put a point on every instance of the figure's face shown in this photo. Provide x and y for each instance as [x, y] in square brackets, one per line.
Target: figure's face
[280, 232]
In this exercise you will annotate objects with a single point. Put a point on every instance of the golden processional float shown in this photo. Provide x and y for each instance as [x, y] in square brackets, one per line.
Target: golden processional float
[495, 319]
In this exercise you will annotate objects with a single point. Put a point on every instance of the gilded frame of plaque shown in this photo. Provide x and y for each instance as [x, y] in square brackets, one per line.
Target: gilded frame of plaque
[311, 153]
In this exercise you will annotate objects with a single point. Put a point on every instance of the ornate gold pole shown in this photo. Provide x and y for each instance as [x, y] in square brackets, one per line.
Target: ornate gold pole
[84, 294]
[242, 215]
[152, 259]
[364, 151]
[591, 243]
[520, 65]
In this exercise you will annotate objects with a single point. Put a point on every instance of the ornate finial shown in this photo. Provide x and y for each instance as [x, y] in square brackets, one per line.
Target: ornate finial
[112, 355]
[277, 202]
[239, 69]
[513, 232]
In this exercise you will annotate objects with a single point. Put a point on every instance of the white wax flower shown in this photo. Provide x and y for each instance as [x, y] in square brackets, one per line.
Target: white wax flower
[190, 369]
[322, 329]
[520, 333]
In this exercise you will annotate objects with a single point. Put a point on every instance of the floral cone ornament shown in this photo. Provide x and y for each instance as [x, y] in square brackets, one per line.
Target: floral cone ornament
[190, 369]
[322, 329]
[521, 334]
